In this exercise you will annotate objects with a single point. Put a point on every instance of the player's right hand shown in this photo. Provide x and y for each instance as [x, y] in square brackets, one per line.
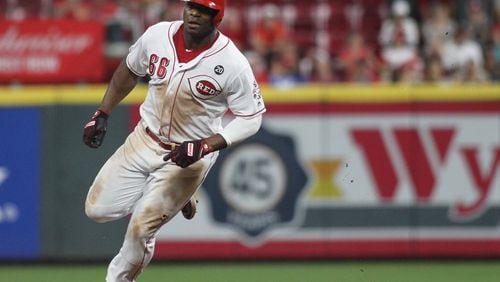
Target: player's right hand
[95, 129]
[188, 152]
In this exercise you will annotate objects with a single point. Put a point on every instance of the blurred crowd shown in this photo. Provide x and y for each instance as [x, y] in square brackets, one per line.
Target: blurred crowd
[289, 42]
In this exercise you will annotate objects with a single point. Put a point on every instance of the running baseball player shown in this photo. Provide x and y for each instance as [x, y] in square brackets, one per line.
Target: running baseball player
[196, 74]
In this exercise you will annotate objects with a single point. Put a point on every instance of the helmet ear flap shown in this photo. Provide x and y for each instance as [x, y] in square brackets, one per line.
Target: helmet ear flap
[217, 20]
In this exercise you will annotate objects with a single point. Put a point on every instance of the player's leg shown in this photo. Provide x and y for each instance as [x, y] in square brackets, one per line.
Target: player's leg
[168, 190]
[121, 180]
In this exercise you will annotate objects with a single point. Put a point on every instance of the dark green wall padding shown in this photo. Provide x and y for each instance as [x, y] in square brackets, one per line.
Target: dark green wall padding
[68, 169]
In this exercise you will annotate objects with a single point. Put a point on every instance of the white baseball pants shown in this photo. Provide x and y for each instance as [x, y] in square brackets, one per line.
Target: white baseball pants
[135, 180]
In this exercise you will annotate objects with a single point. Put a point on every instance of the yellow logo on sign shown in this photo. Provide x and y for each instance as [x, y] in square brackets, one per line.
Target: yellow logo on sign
[323, 186]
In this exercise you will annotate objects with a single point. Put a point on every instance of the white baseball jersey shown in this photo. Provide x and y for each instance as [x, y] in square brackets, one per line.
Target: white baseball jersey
[186, 101]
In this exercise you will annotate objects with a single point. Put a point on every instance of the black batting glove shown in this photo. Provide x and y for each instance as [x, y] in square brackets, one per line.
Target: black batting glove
[188, 153]
[95, 129]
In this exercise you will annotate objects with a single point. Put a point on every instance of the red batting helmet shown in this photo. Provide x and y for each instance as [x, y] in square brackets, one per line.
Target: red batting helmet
[217, 5]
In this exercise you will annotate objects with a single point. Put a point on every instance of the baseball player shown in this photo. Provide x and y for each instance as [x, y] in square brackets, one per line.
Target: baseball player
[196, 74]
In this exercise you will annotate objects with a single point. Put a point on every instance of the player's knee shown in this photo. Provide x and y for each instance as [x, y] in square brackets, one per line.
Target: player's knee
[96, 213]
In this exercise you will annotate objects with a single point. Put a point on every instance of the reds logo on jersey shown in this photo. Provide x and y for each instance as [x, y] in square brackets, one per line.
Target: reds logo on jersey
[204, 86]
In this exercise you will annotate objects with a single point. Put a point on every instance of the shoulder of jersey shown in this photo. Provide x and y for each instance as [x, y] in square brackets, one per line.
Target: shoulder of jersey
[231, 54]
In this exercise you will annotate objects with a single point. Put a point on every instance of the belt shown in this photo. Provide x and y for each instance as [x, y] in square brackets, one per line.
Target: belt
[166, 146]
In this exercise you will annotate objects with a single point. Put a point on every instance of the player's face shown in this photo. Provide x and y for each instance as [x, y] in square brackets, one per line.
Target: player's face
[198, 19]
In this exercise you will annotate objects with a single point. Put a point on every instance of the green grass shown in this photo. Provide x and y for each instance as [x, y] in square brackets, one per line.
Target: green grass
[336, 271]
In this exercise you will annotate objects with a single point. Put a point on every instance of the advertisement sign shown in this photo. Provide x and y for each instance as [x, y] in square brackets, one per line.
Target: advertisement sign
[19, 183]
[257, 185]
[51, 51]
[352, 180]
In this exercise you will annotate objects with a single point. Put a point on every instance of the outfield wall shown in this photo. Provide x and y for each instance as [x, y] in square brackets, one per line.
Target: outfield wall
[336, 172]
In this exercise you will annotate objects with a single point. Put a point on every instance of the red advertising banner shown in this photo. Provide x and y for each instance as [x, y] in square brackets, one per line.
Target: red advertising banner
[52, 51]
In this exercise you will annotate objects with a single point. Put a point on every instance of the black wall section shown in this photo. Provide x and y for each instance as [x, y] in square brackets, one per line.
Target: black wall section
[68, 169]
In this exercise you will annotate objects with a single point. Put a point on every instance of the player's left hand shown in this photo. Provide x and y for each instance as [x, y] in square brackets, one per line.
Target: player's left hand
[95, 129]
[188, 152]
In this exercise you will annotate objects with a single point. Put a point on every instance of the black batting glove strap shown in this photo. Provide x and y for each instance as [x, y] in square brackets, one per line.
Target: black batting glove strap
[95, 129]
[188, 153]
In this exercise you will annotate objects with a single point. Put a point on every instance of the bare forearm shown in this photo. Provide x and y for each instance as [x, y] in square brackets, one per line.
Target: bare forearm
[122, 82]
